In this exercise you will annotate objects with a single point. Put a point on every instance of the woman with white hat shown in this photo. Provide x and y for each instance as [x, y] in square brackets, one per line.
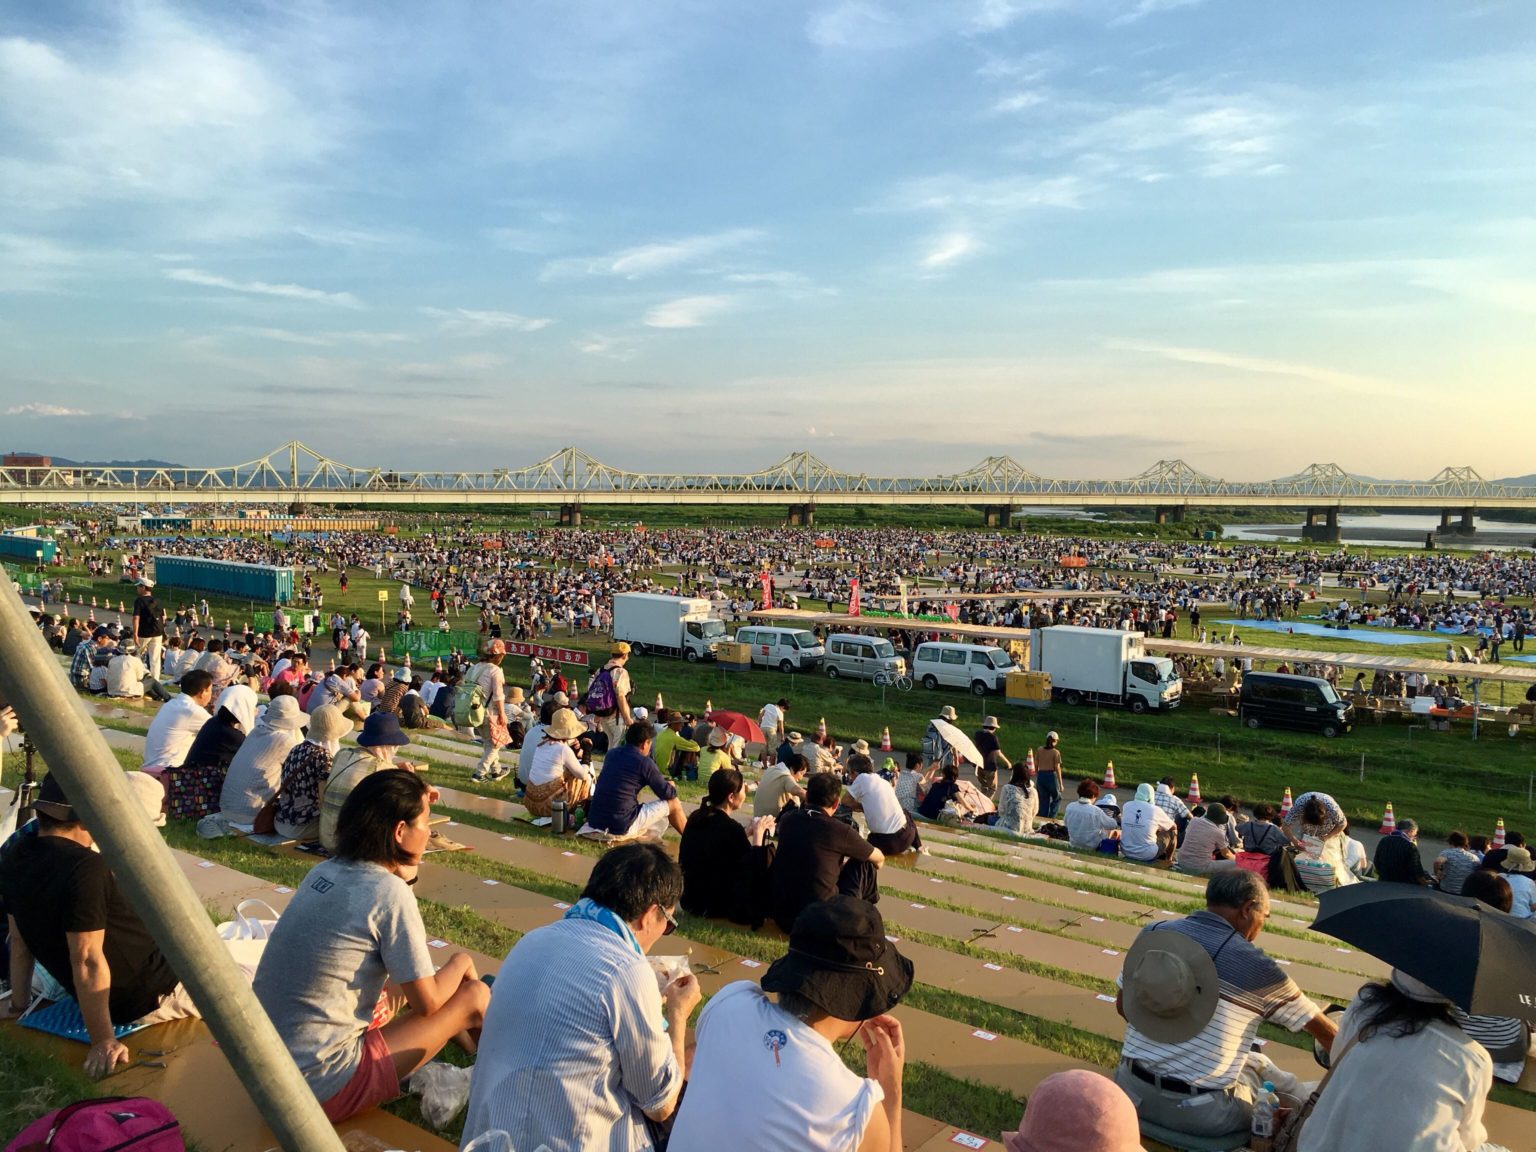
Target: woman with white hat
[257, 769]
[305, 768]
[554, 771]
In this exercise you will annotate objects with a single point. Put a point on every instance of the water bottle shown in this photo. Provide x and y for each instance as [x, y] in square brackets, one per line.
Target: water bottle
[1264, 1110]
[557, 817]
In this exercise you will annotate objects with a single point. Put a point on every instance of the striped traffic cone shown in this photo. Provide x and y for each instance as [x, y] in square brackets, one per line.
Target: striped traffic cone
[122, 607]
[1388, 821]
[1194, 788]
[93, 601]
[659, 704]
[709, 706]
[821, 728]
[1029, 762]
[885, 740]
[1286, 804]
[1109, 775]
[1498, 834]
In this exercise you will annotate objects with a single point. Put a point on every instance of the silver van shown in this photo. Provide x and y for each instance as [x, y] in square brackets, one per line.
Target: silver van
[982, 668]
[861, 657]
[787, 649]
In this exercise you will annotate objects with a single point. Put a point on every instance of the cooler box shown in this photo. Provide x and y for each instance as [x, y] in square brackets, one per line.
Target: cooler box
[1028, 689]
[734, 657]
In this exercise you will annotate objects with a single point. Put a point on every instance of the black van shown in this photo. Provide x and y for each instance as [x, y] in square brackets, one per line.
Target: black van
[1277, 700]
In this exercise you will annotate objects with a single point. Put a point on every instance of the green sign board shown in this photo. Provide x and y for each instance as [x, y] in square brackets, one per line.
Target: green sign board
[878, 615]
[261, 621]
[428, 643]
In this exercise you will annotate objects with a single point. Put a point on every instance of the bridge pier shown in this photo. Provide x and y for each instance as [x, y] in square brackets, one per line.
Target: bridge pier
[1445, 522]
[570, 515]
[802, 515]
[997, 515]
[1325, 533]
[1162, 514]
[1468, 521]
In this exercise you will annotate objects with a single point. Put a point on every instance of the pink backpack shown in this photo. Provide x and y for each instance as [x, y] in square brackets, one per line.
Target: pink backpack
[106, 1124]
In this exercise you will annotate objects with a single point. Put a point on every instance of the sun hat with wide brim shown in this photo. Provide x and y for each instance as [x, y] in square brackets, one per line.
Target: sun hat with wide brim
[563, 725]
[382, 730]
[719, 737]
[991, 723]
[1077, 1111]
[52, 801]
[328, 723]
[859, 748]
[840, 960]
[1170, 986]
[284, 712]
[1518, 860]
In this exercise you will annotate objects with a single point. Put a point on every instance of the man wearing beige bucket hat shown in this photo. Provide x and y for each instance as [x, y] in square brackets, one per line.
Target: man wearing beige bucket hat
[1193, 993]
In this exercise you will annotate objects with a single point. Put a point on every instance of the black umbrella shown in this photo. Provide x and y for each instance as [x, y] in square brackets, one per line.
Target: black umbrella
[1480, 958]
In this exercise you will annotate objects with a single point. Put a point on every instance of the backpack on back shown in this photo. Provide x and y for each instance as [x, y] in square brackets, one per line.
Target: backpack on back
[106, 1124]
[601, 697]
[469, 701]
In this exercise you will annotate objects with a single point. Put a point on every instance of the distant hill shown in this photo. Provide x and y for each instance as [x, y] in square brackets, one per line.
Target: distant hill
[1519, 481]
[61, 462]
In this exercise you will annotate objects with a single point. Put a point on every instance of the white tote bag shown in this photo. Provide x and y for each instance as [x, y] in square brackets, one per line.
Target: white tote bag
[246, 935]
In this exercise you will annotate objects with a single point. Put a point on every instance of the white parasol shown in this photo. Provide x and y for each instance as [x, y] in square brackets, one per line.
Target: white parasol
[963, 745]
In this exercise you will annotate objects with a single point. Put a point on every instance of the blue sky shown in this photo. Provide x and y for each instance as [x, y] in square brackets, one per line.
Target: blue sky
[698, 235]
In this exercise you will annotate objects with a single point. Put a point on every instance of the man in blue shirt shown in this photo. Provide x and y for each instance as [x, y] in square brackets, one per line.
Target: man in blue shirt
[615, 807]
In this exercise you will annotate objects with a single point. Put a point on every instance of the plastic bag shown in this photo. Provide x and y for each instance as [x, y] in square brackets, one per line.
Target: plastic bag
[668, 969]
[444, 1091]
[246, 935]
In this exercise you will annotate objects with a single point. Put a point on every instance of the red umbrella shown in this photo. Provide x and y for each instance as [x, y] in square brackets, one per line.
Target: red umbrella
[738, 725]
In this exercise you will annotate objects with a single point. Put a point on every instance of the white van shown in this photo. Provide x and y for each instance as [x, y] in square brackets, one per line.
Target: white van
[787, 649]
[982, 668]
[861, 657]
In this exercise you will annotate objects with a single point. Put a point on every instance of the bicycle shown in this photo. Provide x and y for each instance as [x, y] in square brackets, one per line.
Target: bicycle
[902, 683]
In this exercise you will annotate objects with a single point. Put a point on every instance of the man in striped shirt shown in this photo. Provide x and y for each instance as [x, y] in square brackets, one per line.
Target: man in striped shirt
[1201, 1076]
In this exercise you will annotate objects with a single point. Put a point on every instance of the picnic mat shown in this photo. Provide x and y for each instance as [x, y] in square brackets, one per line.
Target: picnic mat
[62, 1018]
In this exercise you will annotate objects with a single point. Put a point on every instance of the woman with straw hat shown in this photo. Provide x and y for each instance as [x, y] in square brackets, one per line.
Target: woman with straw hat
[554, 771]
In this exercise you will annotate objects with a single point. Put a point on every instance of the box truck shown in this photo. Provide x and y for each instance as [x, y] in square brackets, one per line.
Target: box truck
[671, 625]
[1106, 666]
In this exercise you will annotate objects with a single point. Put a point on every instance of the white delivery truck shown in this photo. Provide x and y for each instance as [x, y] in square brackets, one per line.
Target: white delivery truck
[671, 625]
[1104, 665]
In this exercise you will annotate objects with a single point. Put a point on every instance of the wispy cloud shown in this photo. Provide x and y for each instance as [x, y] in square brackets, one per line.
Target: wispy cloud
[321, 339]
[948, 250]
[1214, 358]
[36, 263]
[262, 288]
[474, 322]
[995, 196]
[689, 312]
[1213, 134]
[610, 346]
[653, 259]
[1141, 9]
[44, 410]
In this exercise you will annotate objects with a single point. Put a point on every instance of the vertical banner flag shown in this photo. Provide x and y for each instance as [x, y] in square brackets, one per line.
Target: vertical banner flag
[953, 612]
[767, 590]
[902, 586]
[853, 597]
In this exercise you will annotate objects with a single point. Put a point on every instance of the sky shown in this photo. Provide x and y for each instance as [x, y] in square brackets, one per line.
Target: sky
[698, 235]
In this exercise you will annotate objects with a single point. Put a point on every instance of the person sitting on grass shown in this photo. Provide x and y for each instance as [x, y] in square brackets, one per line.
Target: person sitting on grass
[1088, 825]
[353, 933]
[1147, 833]
[375, 752]
[819, 856]
[1205, 849]
[780, 787]
[1018, 802]
[616, 809]
[891, 829]
[1077, 1110]
[257, 769]
[554, 772]
[725, 866]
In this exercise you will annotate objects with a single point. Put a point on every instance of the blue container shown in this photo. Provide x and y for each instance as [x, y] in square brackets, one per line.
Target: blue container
[26, 548]
[261, 583]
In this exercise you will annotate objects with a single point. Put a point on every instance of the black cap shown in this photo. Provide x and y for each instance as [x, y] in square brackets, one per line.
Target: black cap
[52, 801]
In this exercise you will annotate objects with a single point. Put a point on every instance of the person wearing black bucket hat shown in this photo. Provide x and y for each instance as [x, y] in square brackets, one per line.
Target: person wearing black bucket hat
[766, 1074]
[377, 744]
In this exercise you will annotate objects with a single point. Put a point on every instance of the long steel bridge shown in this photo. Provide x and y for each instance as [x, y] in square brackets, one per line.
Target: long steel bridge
[297, 475]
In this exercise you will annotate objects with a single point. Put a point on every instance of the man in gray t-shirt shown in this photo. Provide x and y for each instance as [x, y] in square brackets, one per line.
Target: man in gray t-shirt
[350, 929]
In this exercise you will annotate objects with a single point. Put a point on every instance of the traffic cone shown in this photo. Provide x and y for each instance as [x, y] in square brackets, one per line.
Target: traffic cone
[885, 740]
[1286, 804]
[93, 601]
[331, 667]
[709, 706]
[1388, 821]
[122, 607]
[1498, 834]
[821, 728]
[91, 616]
[439, 667]
[659, 704]
[1029, 761]
[1194, 788]
[245, 626]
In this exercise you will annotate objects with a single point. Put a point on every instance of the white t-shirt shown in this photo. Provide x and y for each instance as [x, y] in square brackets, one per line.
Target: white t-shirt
[172, 731]
[1524, 889]
[1139, 825]
[882, 811]
[764, 1081]
[125, 676]
[769, 717]
[551, 762]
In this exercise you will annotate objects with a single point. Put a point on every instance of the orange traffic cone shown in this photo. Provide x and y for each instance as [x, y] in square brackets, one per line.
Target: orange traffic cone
[1498, 834]
[1029, 761]
[91, 616]
[1194, 788]
[885, 740]
[439, 667]
[1286, 804]
[331, 667]
[659, 704]
[709, 706]
[93, 601]
[821, 728]
[122, 607]
[1388, 821]
[1109, 775]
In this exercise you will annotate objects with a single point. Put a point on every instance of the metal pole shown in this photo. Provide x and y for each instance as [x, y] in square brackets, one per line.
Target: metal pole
[1477, 705]
[57, 720]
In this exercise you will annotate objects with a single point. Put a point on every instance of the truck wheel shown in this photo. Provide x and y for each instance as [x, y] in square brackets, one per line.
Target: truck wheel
[1138, 705]
[786, 666]
[831, 671]
[978, 688]
[691, 655]
[1073, 697]
[1252, 721]
[636, 648]
[1330, 731]
[931, 683]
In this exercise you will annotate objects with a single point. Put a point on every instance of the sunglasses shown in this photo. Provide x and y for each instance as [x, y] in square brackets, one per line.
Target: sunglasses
[671, 923]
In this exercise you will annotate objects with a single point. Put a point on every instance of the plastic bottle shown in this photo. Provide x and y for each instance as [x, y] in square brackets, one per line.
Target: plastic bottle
[1264, 1110]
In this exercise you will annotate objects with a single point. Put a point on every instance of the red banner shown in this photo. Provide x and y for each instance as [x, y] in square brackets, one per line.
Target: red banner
[853, 598]
[767, 578]
[953, 612]
[548, 652]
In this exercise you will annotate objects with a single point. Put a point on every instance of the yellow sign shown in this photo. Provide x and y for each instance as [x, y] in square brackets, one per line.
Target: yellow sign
[383, 596]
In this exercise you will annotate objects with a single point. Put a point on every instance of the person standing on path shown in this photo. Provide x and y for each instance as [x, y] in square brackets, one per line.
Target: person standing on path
[149, 627]
[608, 695]
[992, 757]
[492, 732]
[1048, 777]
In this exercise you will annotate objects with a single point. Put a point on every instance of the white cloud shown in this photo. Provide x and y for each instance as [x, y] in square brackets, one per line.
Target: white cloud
[652, 259]
[688, 312]
[36, 263]
[1214, 134]
[1214, 358]
[1141, 9]
[947, 250]
[1018, 102]
[475, 322]
[44, 410]
[262, 288]
[1000, 196]
[609, 346]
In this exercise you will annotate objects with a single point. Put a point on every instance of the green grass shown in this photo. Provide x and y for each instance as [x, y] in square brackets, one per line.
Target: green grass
[34, 1083]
